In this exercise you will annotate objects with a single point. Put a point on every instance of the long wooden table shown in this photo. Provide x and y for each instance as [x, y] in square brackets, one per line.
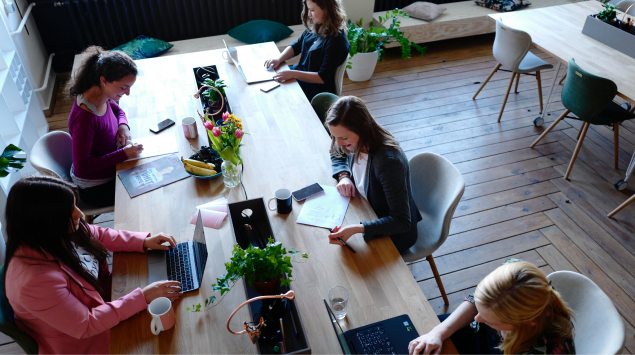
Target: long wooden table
[287, 147]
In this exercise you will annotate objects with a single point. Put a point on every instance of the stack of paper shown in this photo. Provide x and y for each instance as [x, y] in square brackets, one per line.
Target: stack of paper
[213, 213]
[326, 210]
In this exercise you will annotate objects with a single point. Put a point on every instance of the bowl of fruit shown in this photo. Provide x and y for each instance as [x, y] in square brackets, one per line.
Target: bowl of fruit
[203, 164]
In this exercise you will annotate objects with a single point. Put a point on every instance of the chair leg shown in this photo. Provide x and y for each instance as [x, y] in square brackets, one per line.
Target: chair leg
[539, 89]
[584, 129]
[566, 112]
[486, 80]
[511, 81]
[577, 138]
[622, 206]
[616, 144]
[433, 266]
[563, 77]
[517, 80]
[89, 219]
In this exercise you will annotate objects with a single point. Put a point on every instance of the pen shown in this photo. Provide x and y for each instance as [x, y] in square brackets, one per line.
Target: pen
[295, 331]
[343, 242]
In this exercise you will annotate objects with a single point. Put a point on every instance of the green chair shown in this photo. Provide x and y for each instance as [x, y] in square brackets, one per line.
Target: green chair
[322, 102]
[7, 324]
[590, 98]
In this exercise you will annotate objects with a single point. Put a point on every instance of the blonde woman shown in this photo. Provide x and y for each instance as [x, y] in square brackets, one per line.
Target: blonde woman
[323, 45]
[515, 311]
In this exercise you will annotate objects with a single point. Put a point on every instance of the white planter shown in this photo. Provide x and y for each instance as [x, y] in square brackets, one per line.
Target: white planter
[363, 65]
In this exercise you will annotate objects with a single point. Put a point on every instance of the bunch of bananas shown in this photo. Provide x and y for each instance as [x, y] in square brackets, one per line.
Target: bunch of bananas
[198, 167]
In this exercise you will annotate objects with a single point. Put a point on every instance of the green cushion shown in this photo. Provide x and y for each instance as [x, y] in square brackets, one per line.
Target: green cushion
[144, 47]
[260, 31]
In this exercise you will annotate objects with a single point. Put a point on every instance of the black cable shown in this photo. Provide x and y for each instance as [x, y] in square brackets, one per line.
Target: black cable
[241, 180]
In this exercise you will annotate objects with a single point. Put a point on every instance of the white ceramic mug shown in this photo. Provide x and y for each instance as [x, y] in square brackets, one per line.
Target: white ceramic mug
[162, 315]
[189, 127]
[229, 55]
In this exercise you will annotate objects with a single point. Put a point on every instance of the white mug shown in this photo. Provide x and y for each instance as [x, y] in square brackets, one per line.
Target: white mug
[162, 315]
[189, 127]
[229, 55]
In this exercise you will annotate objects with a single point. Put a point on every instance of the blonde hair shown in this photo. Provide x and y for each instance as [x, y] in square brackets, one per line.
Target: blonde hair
[519, 294]
[334, 21]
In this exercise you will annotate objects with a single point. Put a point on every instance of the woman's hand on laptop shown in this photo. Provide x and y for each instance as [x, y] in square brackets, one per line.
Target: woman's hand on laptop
[284, 75]
[169, 289]
[274, 62]
[156, 241]
[426, 344]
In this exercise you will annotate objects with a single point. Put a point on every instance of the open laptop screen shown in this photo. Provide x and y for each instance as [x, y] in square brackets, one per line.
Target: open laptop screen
[338, 330]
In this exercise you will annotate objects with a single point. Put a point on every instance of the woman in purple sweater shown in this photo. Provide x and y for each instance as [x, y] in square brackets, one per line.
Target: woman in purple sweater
[98, 125]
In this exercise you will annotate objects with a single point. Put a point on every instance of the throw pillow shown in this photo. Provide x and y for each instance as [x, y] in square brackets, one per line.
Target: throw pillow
[260, 31]
[422, 10]
[503, 5]
[144, 47]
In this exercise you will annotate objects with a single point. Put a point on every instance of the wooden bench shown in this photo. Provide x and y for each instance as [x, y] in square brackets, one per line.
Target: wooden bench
[461, 19]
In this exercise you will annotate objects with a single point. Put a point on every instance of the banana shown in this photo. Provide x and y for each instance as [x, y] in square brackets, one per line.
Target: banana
[196, 170]
[198, 163]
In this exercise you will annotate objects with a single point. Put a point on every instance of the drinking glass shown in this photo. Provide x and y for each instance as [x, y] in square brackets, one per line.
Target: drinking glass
[338, 297]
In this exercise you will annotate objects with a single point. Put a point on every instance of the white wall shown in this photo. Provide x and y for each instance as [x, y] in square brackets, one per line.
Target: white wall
[356, 9]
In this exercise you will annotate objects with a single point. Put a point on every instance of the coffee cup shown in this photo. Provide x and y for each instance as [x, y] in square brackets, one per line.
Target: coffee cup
[189, 127]
[283, 202]
[162, 315]
[228, 56]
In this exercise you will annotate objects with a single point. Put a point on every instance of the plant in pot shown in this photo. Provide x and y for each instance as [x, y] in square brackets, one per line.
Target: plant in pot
[609, 13]
[214, 101]
[366, 44]
[8, 162]
[261, 267]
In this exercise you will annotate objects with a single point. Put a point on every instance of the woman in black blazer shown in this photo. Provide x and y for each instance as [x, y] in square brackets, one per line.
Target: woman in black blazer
[366, 159]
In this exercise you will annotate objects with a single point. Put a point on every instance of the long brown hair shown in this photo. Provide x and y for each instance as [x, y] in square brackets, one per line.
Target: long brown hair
[334, 21]
[52, 201]
[98, 62]
[352, 113]
[519, 294]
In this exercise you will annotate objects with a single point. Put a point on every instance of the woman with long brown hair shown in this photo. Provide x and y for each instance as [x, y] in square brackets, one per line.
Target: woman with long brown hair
[366, 159]
[514, 310]
[324, 47]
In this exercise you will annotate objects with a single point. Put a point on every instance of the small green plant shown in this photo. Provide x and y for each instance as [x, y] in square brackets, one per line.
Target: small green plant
[371, 40]
[254, 264]
[211, 94]
[608, 14]
[8, 161]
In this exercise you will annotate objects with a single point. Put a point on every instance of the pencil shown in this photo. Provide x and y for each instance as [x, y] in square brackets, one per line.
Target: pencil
[282, 331]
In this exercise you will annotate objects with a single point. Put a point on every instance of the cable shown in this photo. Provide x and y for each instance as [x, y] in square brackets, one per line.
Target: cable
[241, 180]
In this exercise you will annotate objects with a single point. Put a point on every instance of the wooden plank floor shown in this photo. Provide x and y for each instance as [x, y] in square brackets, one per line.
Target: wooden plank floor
[516, 202]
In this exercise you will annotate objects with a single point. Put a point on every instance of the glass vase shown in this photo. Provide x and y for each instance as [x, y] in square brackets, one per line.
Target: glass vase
[231, 175]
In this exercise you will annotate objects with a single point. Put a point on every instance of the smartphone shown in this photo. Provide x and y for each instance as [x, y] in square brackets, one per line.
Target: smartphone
[162, 125]
[307, 192]
[269, 86]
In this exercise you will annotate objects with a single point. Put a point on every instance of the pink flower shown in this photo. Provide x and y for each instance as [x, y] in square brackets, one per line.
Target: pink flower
[225, 116]
[239, 134]
[216, 131]
[209, 125]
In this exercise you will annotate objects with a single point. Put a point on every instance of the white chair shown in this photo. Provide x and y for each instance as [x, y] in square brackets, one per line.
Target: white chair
[339, 77]
[598, 326]
[52, 155]
[511, 50]
[437, 187]
[624, 5]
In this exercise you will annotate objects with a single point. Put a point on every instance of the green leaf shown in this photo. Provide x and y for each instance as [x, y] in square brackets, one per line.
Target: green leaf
[187, 309]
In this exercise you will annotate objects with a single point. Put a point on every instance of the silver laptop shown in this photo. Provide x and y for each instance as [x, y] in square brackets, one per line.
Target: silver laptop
[251, 68]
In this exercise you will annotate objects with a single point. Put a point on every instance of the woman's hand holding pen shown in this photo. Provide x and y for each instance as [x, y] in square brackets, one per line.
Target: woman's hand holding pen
[345, 233]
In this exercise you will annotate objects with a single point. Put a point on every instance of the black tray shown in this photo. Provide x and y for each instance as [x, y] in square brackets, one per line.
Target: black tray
[260, 220]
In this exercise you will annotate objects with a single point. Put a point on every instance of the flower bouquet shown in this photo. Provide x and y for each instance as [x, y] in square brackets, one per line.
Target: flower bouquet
[225, 137]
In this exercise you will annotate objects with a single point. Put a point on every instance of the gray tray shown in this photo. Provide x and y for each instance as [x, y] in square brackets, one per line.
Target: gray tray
[611, 36]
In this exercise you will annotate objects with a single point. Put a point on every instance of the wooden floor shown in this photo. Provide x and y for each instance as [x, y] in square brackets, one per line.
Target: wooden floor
[516, 202]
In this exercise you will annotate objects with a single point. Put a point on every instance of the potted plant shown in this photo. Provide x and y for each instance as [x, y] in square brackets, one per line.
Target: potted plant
[224, 137]
[213, 97]
[261, 267]
[366, 45]
[8, 162]
[609, 13]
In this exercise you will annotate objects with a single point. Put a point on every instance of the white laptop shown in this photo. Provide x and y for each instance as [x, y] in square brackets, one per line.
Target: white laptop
[251, 68]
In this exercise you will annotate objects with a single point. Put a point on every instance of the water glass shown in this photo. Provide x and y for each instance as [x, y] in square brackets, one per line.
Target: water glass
[338, 297]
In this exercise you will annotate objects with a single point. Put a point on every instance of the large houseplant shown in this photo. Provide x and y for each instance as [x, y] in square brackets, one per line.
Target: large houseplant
[8, 162]
[256, 266]
[366, 44]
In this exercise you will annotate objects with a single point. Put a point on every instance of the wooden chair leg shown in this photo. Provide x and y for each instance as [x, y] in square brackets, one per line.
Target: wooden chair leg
[622, 206]
[577, 138]
[584, 129]
[511, 81]
[566, 112]
[89, 219]
[539, 89]
[563, 77]
[517, 80]
[433, 266]
[486, 80]
[616, 144]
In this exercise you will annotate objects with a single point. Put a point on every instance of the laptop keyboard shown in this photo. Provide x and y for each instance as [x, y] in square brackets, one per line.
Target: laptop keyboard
[179, 268]
[374, 341]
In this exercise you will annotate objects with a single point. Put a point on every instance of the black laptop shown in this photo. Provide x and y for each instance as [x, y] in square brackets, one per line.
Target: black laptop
[390, 336]
[185, 263]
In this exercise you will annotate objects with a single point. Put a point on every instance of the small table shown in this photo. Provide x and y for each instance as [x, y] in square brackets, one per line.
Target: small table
[287, 147]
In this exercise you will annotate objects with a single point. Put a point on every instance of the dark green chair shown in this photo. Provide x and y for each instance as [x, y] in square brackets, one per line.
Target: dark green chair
[7, 323]
[322, 102]
[590, 99]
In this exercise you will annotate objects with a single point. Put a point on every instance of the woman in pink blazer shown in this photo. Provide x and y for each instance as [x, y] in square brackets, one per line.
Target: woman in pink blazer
[56, 274]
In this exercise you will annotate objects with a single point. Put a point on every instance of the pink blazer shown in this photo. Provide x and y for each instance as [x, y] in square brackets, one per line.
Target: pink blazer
[62, 311]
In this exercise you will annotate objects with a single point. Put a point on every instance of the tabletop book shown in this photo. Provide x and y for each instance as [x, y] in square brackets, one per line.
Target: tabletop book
[153, 175]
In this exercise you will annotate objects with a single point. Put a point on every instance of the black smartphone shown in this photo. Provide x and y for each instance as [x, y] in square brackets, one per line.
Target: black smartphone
[307, 192]
[162, 125]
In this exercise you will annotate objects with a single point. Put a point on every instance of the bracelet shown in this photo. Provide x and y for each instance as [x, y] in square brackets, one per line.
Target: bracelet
[341, 174]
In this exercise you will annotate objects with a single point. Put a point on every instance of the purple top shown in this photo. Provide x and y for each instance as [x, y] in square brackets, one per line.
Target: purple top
[95, 153]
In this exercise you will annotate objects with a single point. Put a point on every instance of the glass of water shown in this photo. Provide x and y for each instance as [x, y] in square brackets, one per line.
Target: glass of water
[338, 297]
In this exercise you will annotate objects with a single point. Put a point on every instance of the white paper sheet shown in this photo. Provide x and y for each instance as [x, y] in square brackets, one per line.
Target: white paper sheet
[153, 146]
[326, 210]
